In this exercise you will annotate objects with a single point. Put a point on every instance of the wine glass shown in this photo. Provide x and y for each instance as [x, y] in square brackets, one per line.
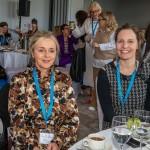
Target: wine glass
[120, 129]
[142, 124]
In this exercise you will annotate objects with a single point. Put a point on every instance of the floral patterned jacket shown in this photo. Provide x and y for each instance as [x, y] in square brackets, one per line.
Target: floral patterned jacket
[26, 114]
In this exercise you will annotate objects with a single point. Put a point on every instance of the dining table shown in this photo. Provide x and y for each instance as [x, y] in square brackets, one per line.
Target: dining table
[110, 143]
[13, 58]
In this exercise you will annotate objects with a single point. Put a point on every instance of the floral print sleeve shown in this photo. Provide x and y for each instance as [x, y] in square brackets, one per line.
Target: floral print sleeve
[21, 137]
[66, 133]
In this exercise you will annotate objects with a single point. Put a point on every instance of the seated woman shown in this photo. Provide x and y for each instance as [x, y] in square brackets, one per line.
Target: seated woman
[66, 41]
[4, 35]
[122, 84]
[42, 106]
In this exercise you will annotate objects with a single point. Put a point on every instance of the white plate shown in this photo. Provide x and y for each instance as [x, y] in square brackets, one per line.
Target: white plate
[108, 146]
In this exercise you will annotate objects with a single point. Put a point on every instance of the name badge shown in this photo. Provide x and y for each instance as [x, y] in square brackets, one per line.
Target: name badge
[45, 137]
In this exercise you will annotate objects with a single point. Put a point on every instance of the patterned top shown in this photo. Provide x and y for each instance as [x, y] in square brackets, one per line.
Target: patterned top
[108, 92]
[26, 115]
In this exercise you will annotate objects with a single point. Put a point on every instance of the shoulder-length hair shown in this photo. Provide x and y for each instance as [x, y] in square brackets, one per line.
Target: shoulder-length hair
[111, 23]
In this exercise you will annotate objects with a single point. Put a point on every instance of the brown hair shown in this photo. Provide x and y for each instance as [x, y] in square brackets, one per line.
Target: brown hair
[138, 37]
[2, 24]
[81, 15]
[62, 27]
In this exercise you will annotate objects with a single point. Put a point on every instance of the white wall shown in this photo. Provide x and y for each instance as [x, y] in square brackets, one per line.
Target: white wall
[39, 9]
[74, 6]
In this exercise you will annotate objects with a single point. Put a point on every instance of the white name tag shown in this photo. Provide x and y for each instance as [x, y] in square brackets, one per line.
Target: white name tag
[45, 137]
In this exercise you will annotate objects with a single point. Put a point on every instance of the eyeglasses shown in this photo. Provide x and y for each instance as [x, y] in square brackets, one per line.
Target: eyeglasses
[93, 12]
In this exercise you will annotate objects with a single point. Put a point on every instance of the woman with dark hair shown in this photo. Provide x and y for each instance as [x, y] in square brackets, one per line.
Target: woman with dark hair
[4, 35]
[81, 15]
[78, 66]
[66, 41]
[122, 84]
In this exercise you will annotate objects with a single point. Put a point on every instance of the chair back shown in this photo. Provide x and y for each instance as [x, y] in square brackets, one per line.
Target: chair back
[99, 108]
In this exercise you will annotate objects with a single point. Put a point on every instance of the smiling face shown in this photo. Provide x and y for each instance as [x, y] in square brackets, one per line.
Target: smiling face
[4, 29]
[44, 53]
[66, 31]
[94, 12]
[34, 27]
[126, 44]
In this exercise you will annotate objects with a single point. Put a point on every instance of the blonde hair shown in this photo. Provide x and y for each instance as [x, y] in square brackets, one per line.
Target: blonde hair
[56, 31]
[45, 35]
[111, 23]
[97, 5]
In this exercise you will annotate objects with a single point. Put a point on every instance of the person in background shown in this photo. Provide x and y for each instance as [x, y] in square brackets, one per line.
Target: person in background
[34, 27]
[78, 64]
[42, 106]
[124, 74]
[89, 27]
[104, 45]
[66, 41]
[56, 31]
[146, 45]
[4, 34]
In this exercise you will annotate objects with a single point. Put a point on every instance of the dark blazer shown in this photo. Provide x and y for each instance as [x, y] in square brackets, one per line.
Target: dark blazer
[71, 41]
[66, 58]
[4, 115]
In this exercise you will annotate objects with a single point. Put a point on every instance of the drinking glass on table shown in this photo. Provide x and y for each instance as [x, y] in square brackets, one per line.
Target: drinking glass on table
[142, 124]
[121, 130]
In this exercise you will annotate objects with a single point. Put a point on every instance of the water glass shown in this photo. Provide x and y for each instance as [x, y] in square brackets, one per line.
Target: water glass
[121, 130]
[142, 124]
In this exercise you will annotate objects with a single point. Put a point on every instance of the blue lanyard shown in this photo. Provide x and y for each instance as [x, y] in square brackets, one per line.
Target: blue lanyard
[46, 117]
[119, 85]
[3, 40]
[94, 28]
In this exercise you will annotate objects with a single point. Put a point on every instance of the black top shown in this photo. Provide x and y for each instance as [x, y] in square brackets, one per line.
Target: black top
[107, 89]
[7, 35]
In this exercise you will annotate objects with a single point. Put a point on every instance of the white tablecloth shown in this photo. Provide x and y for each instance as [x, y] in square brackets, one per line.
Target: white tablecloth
[14, 60]
[108, 135]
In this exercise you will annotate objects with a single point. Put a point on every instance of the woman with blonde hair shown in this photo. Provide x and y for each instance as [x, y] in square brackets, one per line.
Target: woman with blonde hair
[89, 27]
[103, 45]
[42, 104]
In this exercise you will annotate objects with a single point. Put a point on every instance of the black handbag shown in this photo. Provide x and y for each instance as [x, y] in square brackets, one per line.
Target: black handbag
[78, 65]
[3, 75]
